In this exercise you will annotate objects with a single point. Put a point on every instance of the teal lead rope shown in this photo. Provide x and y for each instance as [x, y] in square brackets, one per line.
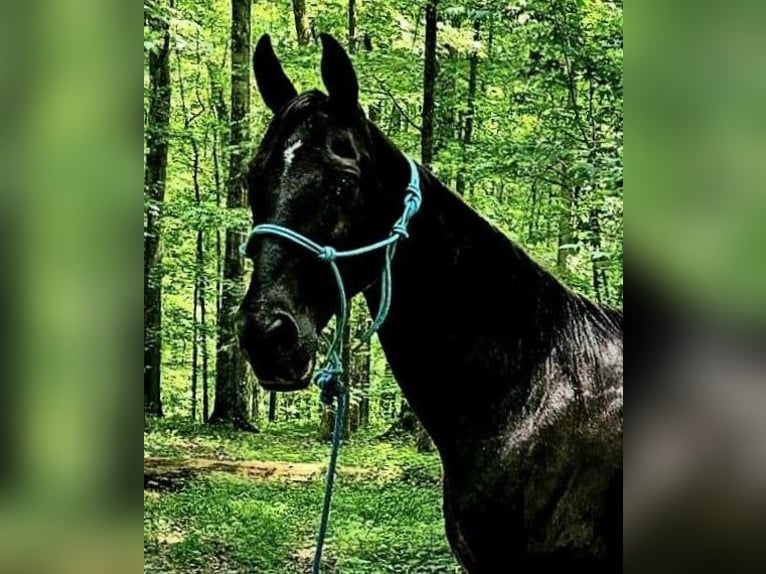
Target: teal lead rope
[328, 377]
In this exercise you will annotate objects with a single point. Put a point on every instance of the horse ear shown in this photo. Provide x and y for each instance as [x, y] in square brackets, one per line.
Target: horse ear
[275, 87]
[338, 74]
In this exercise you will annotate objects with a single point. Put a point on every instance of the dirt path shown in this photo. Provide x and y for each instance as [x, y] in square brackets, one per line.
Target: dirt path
[172, 473]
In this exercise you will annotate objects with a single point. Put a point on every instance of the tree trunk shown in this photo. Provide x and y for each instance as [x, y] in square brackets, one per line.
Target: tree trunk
[364, 378]
[429, 82]
[195, 352]
[220, 142]
[301, 22]
[200, 338]
[350, 376]
[405, 423]
[231, 382]
[566, 237]
[447, 121]
[199, 252]
[364, 405]
[155, 177]
[272, 406]
[205, 357]
[490, 39]
[199, 268]
[326, 423]
[255, 406]
[351, 26]
[599, 275]
[470, 111]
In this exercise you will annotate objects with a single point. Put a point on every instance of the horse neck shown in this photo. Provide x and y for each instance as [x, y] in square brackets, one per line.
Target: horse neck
[471, 317]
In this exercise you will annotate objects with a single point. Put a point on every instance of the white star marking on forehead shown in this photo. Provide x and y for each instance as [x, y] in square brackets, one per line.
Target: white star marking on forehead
[289, 155]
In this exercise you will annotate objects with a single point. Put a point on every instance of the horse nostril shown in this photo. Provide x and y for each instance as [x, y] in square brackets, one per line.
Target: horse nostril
[283, 330]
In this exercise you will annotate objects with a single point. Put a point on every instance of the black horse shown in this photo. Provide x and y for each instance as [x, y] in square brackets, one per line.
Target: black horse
[517, 380]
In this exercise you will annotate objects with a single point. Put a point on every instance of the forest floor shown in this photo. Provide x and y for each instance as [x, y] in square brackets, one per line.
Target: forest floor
[161, 473]
[223, 501]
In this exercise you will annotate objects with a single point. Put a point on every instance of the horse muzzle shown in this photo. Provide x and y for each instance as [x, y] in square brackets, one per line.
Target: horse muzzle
[280, 352]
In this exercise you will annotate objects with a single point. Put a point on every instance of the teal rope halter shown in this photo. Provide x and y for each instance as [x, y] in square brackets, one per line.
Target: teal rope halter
[328, 377]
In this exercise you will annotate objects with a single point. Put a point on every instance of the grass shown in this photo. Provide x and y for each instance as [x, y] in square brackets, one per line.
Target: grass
[222, 523]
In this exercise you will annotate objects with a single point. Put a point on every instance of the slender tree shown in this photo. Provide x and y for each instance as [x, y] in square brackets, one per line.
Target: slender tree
[364, 405]
[473, 69]
[200, 273]
[220, 143]
[351, 26]
[272, 406]
[155, 178]
[429, 83]
[302, 31]
[220, 140]
[565, 229]
[231, 384]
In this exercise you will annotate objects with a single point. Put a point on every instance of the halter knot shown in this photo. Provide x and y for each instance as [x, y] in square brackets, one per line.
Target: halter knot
[400, 228]
[413, 199]
[328, 254]
[329, 385]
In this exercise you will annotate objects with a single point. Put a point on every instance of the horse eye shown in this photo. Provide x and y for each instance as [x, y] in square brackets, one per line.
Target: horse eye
[343, 148]
[345, 183]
